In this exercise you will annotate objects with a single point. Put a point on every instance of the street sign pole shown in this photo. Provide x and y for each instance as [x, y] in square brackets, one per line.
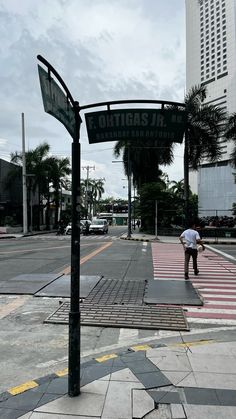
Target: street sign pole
[63, 107]
[74, 315]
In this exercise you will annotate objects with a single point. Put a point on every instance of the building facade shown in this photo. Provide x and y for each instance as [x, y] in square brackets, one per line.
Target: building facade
[211, 61]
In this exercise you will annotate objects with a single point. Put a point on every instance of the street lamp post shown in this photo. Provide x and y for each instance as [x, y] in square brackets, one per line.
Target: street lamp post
[88, 168]
[129, 195]
[30, 177]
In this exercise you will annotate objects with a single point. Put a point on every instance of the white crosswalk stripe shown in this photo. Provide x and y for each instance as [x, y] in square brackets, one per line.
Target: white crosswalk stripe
[216, 282]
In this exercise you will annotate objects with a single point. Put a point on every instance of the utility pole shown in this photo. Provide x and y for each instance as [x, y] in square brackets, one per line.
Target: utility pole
[88, 168]
[25, 215]
[129, 195]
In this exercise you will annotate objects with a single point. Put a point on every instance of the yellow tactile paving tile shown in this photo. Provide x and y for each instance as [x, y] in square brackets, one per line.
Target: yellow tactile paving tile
[195, 343]
[140, 348]
[23, 387]
[61, 373]
[106, 357]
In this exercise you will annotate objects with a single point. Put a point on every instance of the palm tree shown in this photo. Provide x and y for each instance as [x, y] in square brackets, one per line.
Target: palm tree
[142, 159]
[177, 188]
[58, 170]
[203, 130]
[35, 164]
[230, 134]
[96, 192]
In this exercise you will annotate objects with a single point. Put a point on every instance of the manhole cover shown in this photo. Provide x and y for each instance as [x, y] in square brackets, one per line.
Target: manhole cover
[137, 317]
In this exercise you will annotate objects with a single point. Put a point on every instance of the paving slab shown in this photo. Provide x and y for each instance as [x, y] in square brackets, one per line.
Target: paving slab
[86, 404]
[142, 403]
[61, 286]
[27, 283]
[214, 364]
[138, 317]
[114, 291]
[171, 292]
[214, 380]
[172, 362]
[38, 415]
[209, 412]
[118, 403]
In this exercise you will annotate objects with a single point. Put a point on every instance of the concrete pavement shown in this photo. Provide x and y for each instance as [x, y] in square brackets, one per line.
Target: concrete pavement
[189, 377]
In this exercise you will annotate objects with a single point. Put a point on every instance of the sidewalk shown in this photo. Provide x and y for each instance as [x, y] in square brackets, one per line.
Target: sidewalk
[139, 236]
[179, 381]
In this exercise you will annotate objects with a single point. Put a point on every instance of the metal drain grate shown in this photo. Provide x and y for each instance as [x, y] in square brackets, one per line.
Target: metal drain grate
[138, 317]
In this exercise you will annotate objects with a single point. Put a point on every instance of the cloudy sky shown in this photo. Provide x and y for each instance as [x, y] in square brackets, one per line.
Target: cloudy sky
[104, 50]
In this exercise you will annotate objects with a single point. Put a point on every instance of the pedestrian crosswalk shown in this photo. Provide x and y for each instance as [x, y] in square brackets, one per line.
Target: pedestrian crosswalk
[46, 237]
[216, 282]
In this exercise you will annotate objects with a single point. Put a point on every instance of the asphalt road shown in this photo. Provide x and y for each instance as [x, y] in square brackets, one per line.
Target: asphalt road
[227, 250]
[30, 348]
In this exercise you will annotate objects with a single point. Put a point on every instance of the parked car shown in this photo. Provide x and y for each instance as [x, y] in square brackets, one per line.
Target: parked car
[82, 226]
[98, 226]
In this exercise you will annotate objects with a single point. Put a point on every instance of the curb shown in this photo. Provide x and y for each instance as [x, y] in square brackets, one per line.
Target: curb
[137, 240]
[219, 242]
[29, 385]
[102, 358]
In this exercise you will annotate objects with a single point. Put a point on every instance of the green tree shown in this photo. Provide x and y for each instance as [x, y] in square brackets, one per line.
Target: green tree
[143, 158]
[203, 130]
[35, 164]
[230, 134]
[57, 169]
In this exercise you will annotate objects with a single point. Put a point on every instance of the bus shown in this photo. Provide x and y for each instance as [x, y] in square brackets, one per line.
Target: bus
[106, 216]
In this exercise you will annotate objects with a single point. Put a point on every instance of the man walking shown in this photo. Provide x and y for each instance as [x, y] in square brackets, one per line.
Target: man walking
[190, 239]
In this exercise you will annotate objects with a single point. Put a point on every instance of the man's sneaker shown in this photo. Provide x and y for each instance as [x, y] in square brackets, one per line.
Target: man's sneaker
[186, 276]
[196, 272]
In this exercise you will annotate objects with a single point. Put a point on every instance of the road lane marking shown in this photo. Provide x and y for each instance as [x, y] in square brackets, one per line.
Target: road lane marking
[220, 252]
[67, 270]
[33, 250]
[12, 306]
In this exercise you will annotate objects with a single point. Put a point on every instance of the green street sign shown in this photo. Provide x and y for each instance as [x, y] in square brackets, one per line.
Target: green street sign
[136, 124]
[55, 101]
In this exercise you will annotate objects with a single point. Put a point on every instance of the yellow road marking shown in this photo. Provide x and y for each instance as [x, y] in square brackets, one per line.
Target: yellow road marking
[196, 343]
[61, 373]
[67, 270]
[140, 348]
[23, 387]
[13, 305]
[94, 253]
[106, 357]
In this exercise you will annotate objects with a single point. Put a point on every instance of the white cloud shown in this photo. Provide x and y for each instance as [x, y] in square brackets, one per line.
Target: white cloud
[104, 50]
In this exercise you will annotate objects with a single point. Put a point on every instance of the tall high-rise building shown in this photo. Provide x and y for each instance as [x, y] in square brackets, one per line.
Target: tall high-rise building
[211, 61]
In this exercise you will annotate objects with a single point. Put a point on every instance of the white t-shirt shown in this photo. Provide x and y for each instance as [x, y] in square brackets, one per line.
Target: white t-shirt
[191, 236]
